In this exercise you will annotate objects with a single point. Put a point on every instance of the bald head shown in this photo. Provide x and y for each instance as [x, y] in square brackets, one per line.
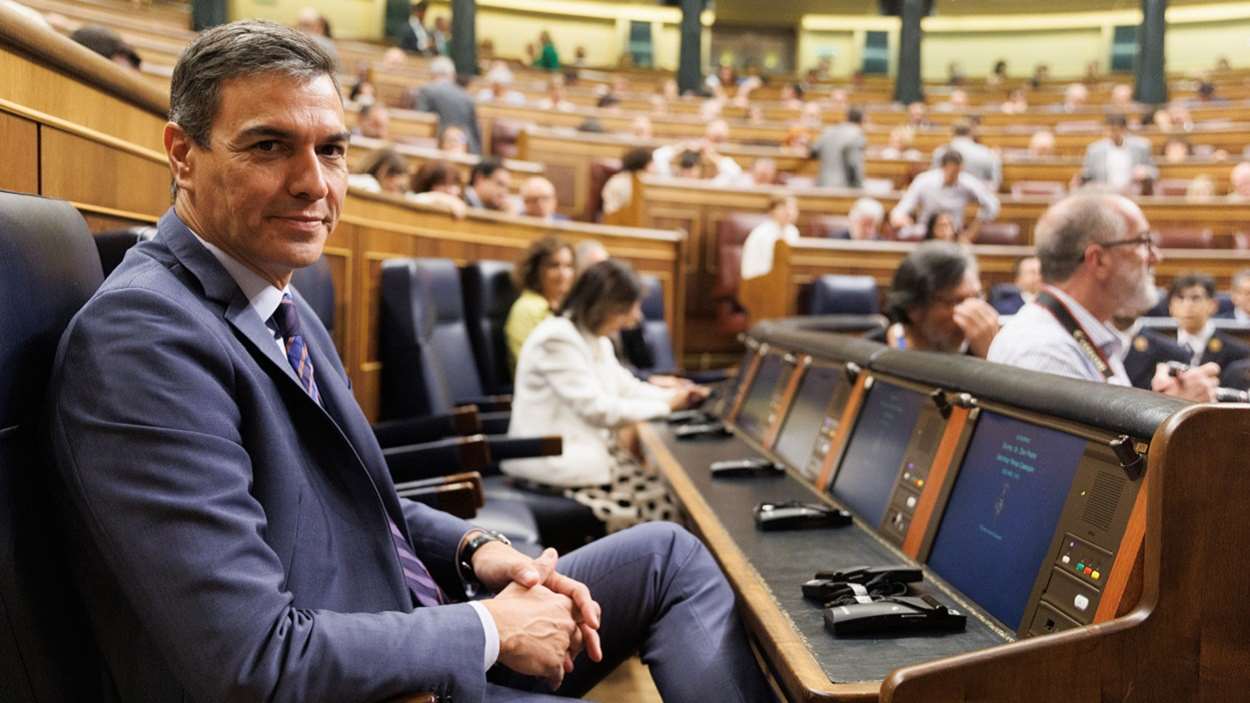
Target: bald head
[717, 132]
[539, 196]
[1068, 227]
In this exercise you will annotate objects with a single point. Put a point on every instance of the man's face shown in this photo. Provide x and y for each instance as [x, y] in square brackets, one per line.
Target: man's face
[935, 324]
[540, 199]
[377, 123]
[950, 173]
[1241, 295]
[1029, 276]
[864, 227]
[1116, 132]
[269, 188]
[1132, 278]
[1192, 307]
[493, 190]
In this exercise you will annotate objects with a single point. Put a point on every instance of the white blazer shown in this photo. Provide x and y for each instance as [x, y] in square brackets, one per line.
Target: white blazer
[569, 383]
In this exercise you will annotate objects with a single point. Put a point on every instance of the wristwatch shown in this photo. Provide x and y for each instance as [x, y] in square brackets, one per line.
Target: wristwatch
[472, 586]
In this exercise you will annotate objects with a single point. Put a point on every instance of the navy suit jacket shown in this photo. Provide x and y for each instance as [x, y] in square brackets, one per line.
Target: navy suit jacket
[1148, 349]
[229, 534]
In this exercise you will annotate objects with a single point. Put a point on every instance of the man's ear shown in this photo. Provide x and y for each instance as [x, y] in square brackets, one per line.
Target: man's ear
[178, 148]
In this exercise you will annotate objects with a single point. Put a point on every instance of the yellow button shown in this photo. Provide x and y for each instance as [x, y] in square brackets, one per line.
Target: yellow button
[1096, 575]
[920, 482]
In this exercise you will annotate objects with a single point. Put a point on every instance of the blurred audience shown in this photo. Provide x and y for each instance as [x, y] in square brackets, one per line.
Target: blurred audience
[538, 199]
[453, 140]
[414, 36]
[548, 58]
[445, 98]
[936, 303]
[866, 217]
[374, 121]
[840, 149]
[619, 189]
[978, 160]
[489, 187]
[1120, 161]
[945, 189]
[109, 44]
[555, 98]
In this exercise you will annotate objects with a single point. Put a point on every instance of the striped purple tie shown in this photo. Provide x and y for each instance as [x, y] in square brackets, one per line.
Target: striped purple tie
[286, 319]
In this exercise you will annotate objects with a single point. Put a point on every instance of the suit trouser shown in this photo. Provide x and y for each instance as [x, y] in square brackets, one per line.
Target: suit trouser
[664, 597]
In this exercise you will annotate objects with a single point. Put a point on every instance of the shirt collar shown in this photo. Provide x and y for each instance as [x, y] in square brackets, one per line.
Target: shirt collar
[262, 296]
[1126, 336]
[1100, 333]
[1196, 342]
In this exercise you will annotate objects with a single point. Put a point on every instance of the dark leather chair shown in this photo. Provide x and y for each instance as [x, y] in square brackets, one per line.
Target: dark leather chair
[998, 233]
[489, 293]
[48, 268]
[113, 244]
[731, 233]
[838, 294]
[1187, 238]
[600, 171]
[316, 285]
[428, 367]
[503, 137]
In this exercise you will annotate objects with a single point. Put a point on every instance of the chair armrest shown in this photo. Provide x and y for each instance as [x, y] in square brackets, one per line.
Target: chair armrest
[489, 403]
[495, 423]
[427, 428]
[413, 462]
[458, 494]
[502, 448]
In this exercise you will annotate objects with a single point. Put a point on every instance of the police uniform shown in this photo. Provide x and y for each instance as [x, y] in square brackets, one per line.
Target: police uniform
[1224, 349]
[1147, 349]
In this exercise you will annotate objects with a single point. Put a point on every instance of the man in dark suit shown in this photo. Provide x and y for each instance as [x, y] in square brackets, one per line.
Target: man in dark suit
[1144, 349]
[1240, 293]
[414, 36]
[229, 516]
[1008, 298]
[1191, 302]
[443, 97]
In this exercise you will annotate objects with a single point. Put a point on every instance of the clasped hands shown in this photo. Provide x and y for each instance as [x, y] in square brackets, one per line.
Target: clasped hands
[544, 618]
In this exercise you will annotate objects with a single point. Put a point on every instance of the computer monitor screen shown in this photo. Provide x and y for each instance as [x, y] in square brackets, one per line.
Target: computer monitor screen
[881, 435]
[807, 413]
[753, 416]
[1003, 510]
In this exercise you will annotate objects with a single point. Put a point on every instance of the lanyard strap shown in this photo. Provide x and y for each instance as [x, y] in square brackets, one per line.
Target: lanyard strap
[1063, 315]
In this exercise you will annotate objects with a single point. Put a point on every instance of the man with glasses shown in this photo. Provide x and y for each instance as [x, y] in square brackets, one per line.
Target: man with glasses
[1098, 258]
[936, 302]
[489, 187]
[538, 198]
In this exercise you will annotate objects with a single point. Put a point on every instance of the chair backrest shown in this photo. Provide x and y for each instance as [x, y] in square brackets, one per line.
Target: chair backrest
[427, 361]
[1045, 189]
[731, 233]
[837, 294]
[600, 171]
[1005, 298]
[49, 267]
[655, 331]
[1186, 238]
[998, 233]
[316, 286]
[113, 244]
[1224, 304]
[489, 293]
[1172, 187]
[826, 227]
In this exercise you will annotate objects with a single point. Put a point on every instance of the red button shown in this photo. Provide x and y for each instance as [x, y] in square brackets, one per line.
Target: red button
[1088, 571]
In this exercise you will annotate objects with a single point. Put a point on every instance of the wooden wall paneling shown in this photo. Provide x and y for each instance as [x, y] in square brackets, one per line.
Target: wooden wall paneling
[19, 154]
[80, 170]
[104, 219]
[28, 82]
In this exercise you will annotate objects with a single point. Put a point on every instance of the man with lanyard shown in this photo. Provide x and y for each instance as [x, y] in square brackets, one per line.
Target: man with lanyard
[1097, 257]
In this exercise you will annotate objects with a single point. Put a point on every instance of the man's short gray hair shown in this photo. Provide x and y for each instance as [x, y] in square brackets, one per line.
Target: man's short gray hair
[442, 67]
[867, 207]
[232, 50]
[1069, 226]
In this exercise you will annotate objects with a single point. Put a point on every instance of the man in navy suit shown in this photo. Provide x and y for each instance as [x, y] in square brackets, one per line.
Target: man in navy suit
[1191, 302]
[231, 522]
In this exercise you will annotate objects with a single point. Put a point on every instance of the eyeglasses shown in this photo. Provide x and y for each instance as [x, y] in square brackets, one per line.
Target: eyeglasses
[1145, 239]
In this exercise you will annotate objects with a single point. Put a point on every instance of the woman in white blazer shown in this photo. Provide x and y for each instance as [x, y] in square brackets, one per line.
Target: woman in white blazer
[568, 382]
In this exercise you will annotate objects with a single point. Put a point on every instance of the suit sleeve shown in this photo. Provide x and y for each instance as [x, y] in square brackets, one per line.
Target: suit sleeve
[149, 443]
[422, 102]
[1087, 167]
[853, 158]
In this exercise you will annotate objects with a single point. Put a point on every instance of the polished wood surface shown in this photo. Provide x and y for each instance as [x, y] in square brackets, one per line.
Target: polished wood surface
[19, 158]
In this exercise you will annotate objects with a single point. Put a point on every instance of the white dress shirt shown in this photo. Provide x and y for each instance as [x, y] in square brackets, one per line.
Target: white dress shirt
[757, 250]
[1119, 166]
[928, 194]
[1197, 343]
[569, 383]
[264, 298]
[1034, 339]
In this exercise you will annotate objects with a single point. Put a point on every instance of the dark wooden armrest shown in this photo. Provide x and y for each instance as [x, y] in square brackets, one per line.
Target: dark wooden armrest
[489, 403]
[495, 423]
[428, 428]
[434, 459]
[524, 447]
[459, 494]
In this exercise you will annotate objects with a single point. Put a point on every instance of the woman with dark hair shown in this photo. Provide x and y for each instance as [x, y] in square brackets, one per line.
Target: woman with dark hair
[936, 302]
[940, 227]
[544, 277]
[385, 171]
[568, 382]
[437, 177]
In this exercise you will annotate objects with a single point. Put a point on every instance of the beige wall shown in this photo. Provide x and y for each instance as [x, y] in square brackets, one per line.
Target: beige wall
[349, 19]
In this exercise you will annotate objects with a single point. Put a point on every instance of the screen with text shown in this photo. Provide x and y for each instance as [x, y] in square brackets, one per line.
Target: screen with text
[1003, 510]
[870, 466]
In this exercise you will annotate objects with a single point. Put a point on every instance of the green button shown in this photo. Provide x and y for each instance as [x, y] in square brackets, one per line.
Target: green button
[1080, 566]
